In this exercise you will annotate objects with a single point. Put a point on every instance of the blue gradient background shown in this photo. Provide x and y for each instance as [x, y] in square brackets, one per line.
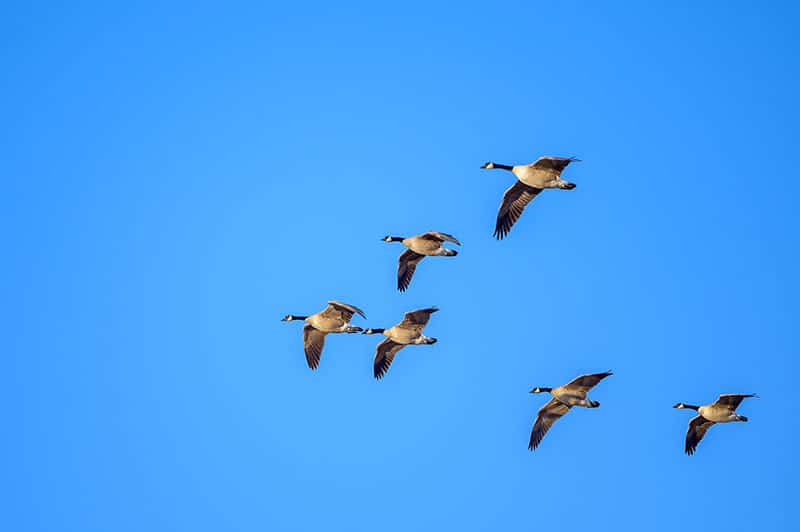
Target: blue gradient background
[176, 179]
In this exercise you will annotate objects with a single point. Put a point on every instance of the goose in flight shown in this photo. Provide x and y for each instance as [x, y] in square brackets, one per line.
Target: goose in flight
[408, 331]
[419, 247]
[531, 179]
[723, 410]
[565, 397]
[335, 318]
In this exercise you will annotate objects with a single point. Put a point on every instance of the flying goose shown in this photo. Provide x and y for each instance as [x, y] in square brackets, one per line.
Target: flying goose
[564, 397]
[723, 410]
[335, 318]
[408, 331]
[531, 179]
[420, 246]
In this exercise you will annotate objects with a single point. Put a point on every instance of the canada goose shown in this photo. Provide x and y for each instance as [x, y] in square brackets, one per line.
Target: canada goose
[723, 410]
[408, 331]
[531, 179]
[564, 397]
[335, 318]
[420, 246]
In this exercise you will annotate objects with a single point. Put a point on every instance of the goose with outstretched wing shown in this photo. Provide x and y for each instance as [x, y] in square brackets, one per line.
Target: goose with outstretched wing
[335, 318]
[407, 332]
[532, 178]
[574, 393]
[428, 244]
[723, 410]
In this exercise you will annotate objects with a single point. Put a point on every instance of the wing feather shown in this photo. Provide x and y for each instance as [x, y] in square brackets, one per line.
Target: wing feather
[406, 266]
[384, 355]
[547, 415]
[698, 426]
[584, 383]
[440, 237]
[515, 199]
[418, 317]
[342, 310]
[732, 400]
[313, 342]
[556, 164]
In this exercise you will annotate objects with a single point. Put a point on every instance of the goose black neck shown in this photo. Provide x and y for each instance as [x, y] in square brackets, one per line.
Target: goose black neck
[503, 166]
[692, 407]
[546, 389]
[297, 317]
[396, 239]
[378, 331]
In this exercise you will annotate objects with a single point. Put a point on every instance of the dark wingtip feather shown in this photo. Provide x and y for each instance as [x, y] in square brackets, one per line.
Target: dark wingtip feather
[380, 369]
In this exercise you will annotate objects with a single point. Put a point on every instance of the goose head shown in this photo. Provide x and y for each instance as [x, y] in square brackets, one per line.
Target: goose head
[370, 330]
[488, 166]
[539, 389]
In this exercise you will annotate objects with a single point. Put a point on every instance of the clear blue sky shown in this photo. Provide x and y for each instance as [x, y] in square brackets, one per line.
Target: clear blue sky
[176, 179]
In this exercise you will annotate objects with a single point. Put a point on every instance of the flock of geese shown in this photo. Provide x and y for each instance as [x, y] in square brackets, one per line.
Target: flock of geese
[531, 180]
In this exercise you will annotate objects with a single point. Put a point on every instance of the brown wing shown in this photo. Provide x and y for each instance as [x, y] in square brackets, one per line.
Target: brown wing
[584, 383]
[418, 317]
[341, 310]
[313, 342]
[698, 426]
[406, 266]
[384, 355]
[440, 237]
[732, 400]
[514, 201]
[556, 164]
[548, 414]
